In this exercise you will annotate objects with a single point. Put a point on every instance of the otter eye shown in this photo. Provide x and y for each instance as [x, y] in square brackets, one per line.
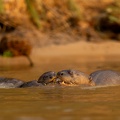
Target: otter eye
[61, 74]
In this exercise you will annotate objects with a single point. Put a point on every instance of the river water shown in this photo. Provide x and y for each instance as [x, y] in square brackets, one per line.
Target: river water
[59, 103]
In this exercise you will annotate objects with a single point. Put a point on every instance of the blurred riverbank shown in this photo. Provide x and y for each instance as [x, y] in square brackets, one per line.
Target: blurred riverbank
[73, 29]
[79, 51]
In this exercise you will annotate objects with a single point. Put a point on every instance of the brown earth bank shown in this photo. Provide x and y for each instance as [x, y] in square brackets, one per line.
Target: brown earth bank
[78, 51]
[58, 30]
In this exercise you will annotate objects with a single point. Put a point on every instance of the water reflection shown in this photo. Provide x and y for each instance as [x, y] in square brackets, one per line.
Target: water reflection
[60, 103]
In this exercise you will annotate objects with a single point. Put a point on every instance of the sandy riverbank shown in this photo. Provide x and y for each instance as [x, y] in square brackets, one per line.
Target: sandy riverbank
[82, 51]
[80, 48]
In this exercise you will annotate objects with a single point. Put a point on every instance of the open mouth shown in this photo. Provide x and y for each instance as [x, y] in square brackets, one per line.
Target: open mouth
[65, 83]
[53, 80]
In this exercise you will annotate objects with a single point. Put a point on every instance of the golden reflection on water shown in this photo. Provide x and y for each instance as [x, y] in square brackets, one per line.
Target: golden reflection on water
[60, 103]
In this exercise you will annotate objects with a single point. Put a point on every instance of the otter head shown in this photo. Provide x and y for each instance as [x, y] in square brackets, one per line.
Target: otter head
[74, 77]
[47, 77]
[65, 76]
[68, 76]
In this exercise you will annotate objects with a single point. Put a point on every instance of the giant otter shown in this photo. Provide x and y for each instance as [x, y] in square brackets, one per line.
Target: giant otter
[105, 77]
[45, 79]
[74, 77]
[10, 82]
[66, 78]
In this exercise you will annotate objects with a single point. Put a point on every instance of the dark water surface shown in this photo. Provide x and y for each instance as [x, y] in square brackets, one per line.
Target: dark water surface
[59, 103]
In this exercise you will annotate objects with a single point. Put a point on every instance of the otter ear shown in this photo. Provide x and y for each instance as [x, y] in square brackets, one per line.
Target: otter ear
[91, 82]
[71, 73]
[90, 78]
[41, 78]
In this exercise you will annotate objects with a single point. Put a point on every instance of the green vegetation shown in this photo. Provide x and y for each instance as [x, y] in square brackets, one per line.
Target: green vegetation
[33, 12]
[7, 54]
[113, 12]
[80, 18]
[72, 6]
[1, 6]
